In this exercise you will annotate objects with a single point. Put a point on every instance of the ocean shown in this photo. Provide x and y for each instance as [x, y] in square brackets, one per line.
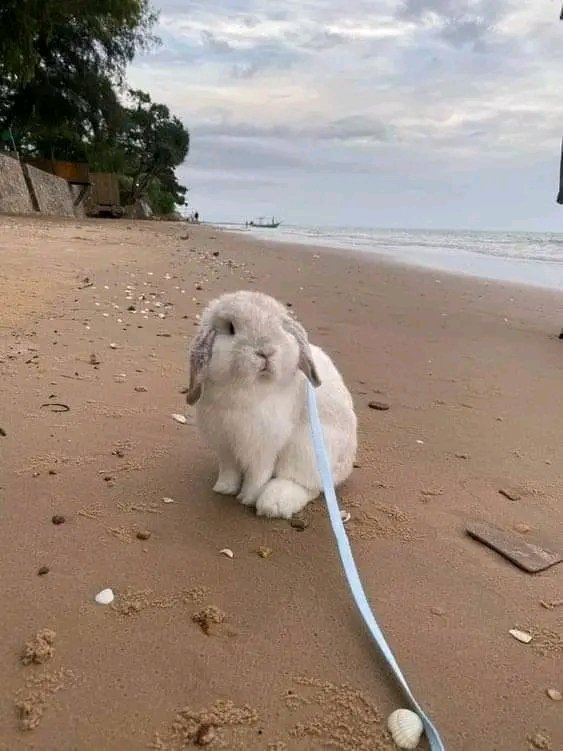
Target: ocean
[531, 258]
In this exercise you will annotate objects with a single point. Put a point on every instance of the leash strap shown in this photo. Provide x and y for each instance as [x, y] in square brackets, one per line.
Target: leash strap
[351, 571]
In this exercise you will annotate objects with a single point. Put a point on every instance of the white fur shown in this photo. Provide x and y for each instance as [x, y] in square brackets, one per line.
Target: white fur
[257, 420]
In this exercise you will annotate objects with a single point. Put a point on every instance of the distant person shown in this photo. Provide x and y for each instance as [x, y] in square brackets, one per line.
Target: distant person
[196, 217]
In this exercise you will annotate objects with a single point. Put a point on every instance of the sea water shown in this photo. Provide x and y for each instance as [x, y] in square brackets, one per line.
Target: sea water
[531, 258]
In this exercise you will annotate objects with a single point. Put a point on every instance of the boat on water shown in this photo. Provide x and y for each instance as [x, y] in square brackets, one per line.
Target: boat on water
[264, 223]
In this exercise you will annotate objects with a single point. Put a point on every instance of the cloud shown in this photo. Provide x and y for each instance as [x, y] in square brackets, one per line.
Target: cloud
[401, 90]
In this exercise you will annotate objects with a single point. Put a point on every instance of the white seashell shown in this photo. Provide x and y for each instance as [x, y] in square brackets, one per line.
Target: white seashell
[405, 727]
[104, 597]
[522, 636]
[105, 315]
[168, 500]
[180, 418]
[228, 552]
[345, 516]
[113, 345]
[420, 443]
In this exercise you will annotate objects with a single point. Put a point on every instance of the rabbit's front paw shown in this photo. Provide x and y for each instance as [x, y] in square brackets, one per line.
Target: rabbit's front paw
[228, 482]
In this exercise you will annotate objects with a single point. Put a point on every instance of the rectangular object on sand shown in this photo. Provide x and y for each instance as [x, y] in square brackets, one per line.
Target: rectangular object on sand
[526, 555]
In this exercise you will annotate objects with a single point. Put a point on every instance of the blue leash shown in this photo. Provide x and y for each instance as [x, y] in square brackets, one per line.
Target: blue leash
[351, 571]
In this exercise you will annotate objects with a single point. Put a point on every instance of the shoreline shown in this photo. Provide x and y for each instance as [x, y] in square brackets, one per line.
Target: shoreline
[535, 273]
[472, 373]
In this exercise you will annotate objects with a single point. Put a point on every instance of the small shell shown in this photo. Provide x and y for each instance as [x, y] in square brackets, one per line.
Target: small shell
[405, 727]
[104, 597]
[113, 345]
[167, 500]
[522, 636]
[227, 552]
[345, 516]
[180, 418]
[554, 694]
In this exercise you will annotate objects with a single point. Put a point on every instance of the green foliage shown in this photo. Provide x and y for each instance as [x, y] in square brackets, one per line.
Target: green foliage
[154, 143]
[161, 201]
[102, 33]
[61, 64]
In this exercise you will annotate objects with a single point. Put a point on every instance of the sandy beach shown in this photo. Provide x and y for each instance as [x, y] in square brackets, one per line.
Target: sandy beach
[267, 654]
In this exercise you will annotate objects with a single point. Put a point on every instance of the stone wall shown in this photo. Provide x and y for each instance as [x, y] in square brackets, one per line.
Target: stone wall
[77, 193]
[14, 194]
[52, 193]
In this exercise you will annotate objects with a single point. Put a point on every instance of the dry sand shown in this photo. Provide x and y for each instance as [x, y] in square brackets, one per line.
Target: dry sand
[473, 376]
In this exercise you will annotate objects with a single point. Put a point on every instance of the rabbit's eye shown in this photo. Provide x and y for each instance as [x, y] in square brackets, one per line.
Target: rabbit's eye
[231, 328]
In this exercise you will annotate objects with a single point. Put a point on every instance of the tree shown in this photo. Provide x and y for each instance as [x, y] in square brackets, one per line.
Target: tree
[107, 32]
[60, 61]
[154, 144]
[62, 67]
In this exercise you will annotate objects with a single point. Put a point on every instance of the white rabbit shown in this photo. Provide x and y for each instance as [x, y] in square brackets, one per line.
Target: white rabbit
[249, 365]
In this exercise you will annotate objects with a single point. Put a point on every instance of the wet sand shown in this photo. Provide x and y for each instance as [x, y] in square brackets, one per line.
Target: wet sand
[472, 372]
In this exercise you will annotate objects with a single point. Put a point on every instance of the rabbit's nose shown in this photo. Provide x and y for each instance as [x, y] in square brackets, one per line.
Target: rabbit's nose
[265, 352]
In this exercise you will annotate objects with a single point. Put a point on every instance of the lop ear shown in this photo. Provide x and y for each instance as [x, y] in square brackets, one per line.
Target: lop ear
[305, 363]
[200, 355]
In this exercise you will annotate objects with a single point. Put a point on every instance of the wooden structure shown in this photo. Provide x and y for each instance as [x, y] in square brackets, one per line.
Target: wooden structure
[75, 173]
[104, 199]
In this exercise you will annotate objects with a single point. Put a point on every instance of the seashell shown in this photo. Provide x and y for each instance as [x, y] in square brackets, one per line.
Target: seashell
[167, 500]
[180, 418]
[406, 728]
[522, 636]
[227, 552]
[113, 345]
[345, 516]
[104, 597]
[554, 694]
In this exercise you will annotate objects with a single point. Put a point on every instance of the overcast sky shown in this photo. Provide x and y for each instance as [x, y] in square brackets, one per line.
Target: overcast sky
[384, 113]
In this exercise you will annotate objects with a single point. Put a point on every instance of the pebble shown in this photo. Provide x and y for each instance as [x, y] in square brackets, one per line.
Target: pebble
[105, 597]
[300, 522]
[143, 535]
[180, 418]
[345, 516]
[58, 519]
[43, 570]
[554, 694]
[205, 735]
[461, 456]
[167, 500]
[381, 406]
[522, 636]
[522, 528]
[140, 389]
[264, 552]
[113, 345]
[512, 495]
[437, 611]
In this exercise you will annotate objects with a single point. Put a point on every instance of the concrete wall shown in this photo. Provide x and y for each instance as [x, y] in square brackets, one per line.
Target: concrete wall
[52, 193]
[14, 194]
